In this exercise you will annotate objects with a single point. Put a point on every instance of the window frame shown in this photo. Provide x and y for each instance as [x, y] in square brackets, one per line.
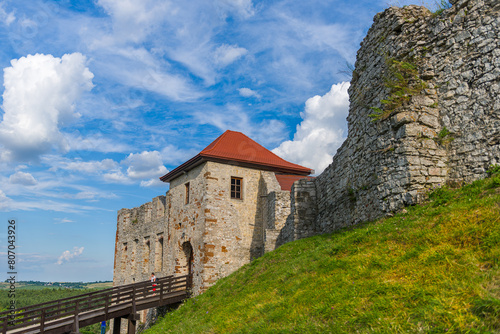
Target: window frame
[187, 194]
[238, 193]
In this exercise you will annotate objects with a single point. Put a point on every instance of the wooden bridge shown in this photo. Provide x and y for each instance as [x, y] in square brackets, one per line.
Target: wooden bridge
[69, 314]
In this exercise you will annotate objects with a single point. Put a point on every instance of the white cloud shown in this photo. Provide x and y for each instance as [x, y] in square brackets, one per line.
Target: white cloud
[227, 54]
[39, 97]
[321, 132]
[145, 165]
[89, 167]
[117, 177]
[174, 155]
[243, 8]
[6, 18]
[25, 179]
[93, 195]
[63, 221]
[134, 19]
[5, 202]
[66, 256]
[153, 183]
[95, 143]
[247, 92]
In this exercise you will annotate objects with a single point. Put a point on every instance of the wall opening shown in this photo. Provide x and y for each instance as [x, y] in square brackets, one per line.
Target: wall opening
[159, 253]
[123, 262]
[185, 260]
[133, 257]
[147, 254]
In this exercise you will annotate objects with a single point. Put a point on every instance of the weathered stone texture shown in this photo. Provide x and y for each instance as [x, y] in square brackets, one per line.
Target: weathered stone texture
[387, 164]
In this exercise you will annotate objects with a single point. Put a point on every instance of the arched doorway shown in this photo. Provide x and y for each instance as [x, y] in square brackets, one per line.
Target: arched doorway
[186, 261]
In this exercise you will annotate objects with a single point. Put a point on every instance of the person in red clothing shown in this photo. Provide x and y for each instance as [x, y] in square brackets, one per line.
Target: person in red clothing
[153, 281]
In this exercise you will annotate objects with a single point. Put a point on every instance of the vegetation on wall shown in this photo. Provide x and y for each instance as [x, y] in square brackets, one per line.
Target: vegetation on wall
[433, 269]
[441, 6]
[403, 80]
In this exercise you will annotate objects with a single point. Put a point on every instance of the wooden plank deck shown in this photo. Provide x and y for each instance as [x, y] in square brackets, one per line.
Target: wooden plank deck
[69, 314]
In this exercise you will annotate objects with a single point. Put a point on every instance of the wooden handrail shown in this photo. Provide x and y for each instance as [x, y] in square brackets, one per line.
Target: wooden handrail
[40, 315]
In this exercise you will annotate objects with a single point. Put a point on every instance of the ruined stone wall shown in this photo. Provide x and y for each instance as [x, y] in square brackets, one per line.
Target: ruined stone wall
[447, 127]
[301, 222]
[139, 230]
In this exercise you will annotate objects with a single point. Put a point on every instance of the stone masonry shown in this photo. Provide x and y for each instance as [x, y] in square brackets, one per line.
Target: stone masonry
[446, 133]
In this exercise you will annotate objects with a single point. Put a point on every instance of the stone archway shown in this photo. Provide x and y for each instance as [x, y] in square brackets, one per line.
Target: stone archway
[186, 260]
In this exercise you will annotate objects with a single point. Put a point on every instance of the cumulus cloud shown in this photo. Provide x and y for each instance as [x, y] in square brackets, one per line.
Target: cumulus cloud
[117, 177]
[144, 165]
[173, 155]
[39, 97]
[153, 183]
[322, 130]
[25, 179]
[227, 54]
[67, 255]
[247, 92]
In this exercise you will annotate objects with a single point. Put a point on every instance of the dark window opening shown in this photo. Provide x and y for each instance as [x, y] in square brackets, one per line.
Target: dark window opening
[236, 191]
[187, 193]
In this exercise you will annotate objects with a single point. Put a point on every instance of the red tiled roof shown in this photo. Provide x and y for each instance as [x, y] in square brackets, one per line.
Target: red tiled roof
[286, 181]
[236, 147]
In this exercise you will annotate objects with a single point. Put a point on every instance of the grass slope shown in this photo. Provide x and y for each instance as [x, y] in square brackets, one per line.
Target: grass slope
[434, 269]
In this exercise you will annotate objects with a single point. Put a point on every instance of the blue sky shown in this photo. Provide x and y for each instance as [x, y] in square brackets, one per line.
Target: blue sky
[100, 98]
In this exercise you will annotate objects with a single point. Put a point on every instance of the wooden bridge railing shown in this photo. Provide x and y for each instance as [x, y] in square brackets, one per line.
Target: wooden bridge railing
[97, 306]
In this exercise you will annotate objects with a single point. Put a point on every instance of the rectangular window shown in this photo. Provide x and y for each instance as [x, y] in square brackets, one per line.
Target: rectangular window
[187, 193]
[236, 191]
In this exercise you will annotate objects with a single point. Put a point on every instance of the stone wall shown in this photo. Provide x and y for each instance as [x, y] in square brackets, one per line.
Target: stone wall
[300, 223]
[446, 132]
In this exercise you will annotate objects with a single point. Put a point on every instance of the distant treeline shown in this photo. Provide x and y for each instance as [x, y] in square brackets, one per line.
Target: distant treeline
[71, 285]
[27, 297]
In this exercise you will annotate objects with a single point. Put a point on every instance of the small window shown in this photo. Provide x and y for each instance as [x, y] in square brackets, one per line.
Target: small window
[187, 193]
[236, 183]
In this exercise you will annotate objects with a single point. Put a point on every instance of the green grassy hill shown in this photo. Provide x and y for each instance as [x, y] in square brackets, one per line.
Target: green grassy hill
[434, 269]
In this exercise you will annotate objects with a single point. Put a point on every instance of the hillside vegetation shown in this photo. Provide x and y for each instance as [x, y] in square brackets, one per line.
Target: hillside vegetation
[433, 269]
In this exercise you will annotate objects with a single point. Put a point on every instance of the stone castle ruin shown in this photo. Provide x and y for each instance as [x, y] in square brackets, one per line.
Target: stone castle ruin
[424, 112]
[225, 207]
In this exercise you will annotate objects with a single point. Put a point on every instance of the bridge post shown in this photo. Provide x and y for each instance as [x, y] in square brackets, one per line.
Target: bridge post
[76, 323]
[4, 329]
[106, 305]
[161, 292]
[132, 321]
[42, 322]
[117, 325]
